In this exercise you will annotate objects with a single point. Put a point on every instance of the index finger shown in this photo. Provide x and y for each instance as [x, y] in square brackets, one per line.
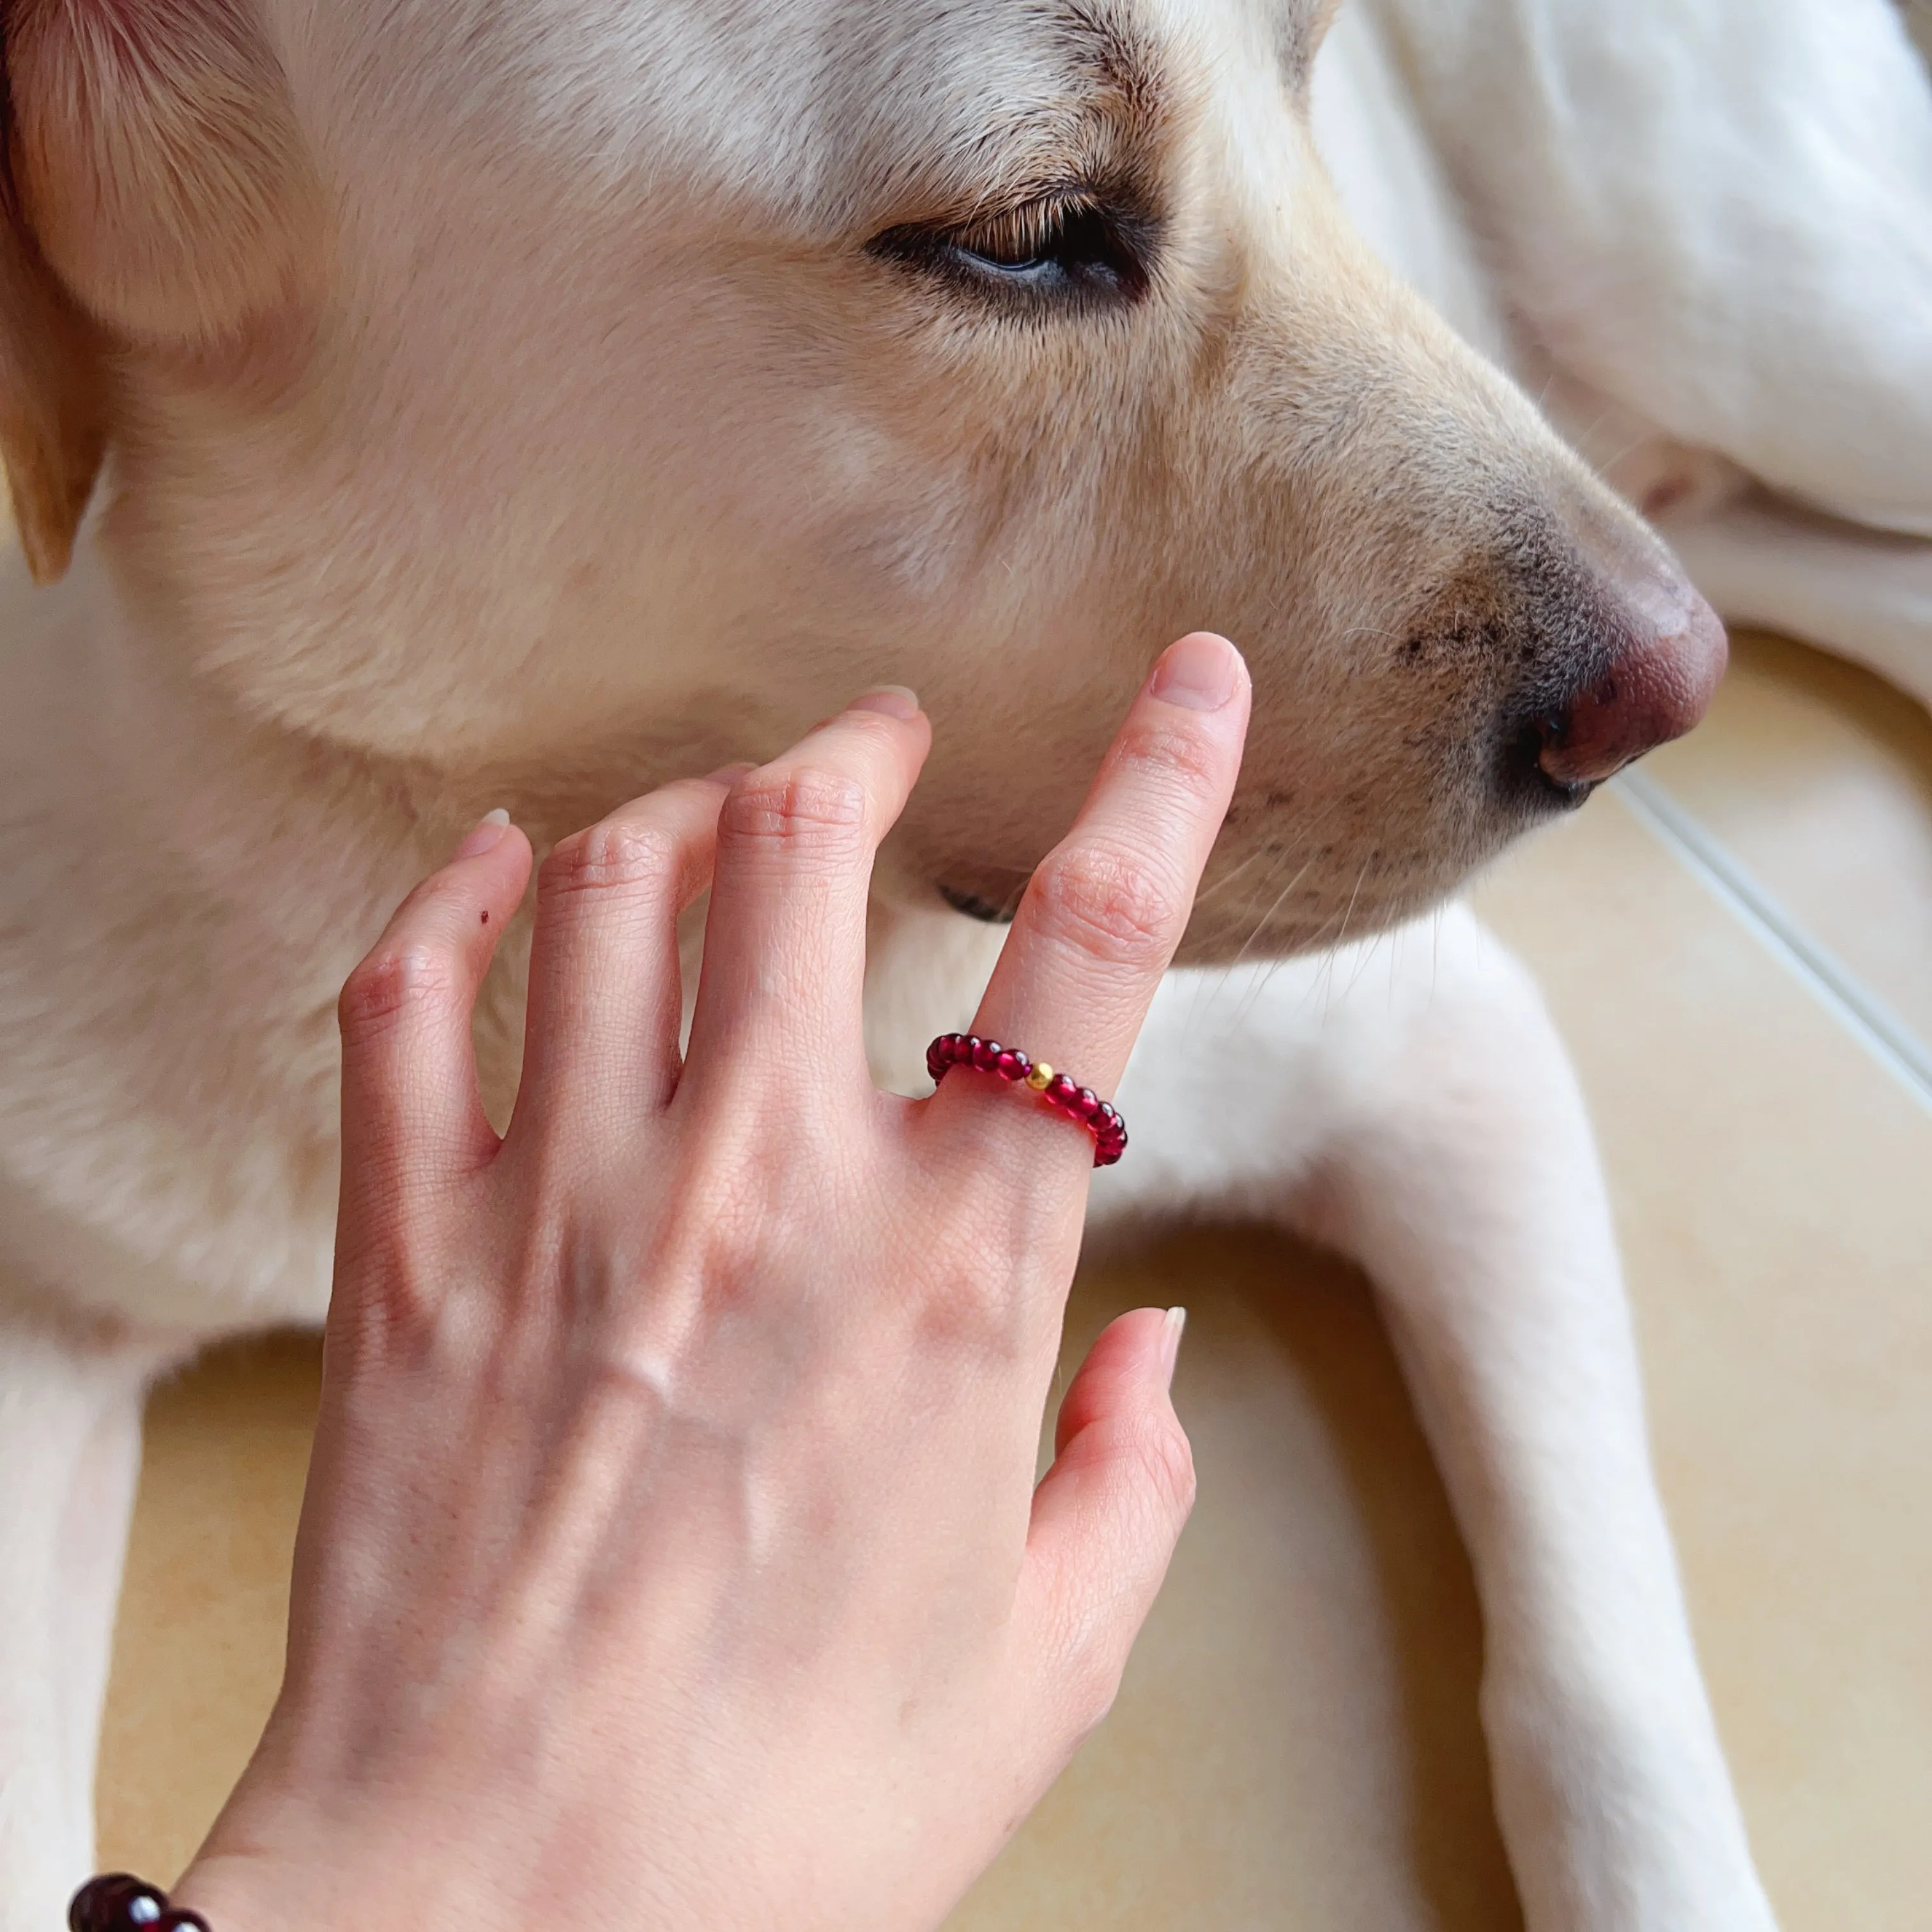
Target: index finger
[1103, 913]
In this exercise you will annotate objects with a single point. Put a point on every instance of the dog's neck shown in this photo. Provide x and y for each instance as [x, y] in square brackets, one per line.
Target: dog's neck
[259, 647]
[280, 552]
[250, 837]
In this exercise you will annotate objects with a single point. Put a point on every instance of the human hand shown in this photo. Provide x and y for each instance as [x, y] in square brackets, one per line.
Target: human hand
[672, 1556]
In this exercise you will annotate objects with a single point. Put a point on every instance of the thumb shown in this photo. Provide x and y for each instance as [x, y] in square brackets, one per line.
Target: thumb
[1107, 1515]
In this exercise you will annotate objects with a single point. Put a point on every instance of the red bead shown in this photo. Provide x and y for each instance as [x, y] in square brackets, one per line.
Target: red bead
[965, 1049]
[116, 1902]
[180, 1919]
[102, 1904]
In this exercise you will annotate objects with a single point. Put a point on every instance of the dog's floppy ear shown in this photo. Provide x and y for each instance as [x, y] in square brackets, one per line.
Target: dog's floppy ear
[52, 424]
[158, 196]
[52, 420]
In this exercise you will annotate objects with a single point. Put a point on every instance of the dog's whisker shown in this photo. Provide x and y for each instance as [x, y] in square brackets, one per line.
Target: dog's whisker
[1228, 878]
[1332, 954]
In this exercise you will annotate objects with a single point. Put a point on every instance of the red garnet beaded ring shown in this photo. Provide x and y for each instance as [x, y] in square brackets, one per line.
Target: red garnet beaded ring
[1077, 1102]
[118, 1902]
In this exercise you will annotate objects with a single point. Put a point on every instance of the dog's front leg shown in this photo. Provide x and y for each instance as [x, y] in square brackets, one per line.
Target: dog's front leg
[70, 1451]
[1410, 1104]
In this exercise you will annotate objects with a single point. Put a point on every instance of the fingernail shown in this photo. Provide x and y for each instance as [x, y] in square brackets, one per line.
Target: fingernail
[488, 833]
[1202, 672]
[1170, 1341]
[894, 700]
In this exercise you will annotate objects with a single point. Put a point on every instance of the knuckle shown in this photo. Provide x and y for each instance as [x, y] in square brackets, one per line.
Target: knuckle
[1176, 753]
[388, 1313]
[970, 1314]
[1166, 1458]
[406, 977]
[401, 1313]
[1090, 1685]
[1157, 1452]
[609, 856]
[805, 809]
[1109, 903]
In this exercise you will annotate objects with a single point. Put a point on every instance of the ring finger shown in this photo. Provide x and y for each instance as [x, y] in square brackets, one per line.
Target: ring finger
[1101, 917]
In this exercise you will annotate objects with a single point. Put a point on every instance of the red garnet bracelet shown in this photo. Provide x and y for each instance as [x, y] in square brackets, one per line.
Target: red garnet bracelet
[116, 1902]
[1078, 1103]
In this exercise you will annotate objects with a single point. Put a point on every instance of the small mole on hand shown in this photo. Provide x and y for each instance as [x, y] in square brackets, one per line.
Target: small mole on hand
[486, 918]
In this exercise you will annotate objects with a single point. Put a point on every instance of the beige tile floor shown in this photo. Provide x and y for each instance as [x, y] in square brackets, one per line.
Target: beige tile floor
[1296, 1745]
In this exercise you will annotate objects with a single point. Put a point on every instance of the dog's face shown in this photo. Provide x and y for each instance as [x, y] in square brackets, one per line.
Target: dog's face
[581, 391]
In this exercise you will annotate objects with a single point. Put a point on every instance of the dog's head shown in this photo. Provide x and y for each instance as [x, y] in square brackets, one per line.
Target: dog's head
[592, 388]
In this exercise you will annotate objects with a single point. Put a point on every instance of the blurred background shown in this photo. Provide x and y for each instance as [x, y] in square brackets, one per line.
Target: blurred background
[1737, 941]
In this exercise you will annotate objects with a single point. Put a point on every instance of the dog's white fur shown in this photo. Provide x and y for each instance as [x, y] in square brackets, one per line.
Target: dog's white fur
[310, 640]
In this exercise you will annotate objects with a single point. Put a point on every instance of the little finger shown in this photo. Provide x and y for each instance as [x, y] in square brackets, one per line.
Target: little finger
[411, 1114]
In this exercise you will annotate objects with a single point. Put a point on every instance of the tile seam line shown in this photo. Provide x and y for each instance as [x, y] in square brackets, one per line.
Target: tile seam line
[1830, 984]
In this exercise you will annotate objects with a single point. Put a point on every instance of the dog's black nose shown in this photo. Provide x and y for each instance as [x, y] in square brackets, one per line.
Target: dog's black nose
[1670, 655]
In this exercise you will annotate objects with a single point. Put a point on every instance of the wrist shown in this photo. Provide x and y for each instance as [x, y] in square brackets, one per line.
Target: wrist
[406, 1871]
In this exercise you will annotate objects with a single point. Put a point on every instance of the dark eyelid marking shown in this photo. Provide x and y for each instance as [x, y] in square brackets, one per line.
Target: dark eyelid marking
[1070, 251]
[1078, 227]
[1020, 231]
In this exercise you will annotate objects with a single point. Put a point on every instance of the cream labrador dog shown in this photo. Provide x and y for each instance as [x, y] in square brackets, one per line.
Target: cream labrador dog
[522, 404]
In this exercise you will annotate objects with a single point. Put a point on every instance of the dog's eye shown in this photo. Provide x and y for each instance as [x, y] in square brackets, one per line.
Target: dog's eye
[1069, 238]
[1059, 248]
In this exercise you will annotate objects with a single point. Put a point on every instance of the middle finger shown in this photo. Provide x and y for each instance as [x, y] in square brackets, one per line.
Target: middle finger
[784, 942]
